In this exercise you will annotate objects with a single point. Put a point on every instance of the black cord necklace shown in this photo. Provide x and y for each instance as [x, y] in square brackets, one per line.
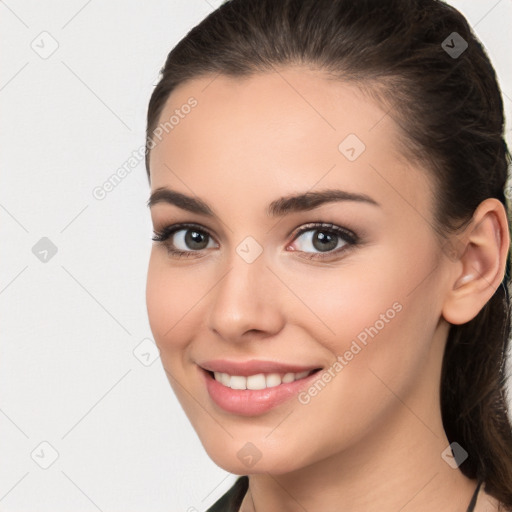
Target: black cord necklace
[472, 503]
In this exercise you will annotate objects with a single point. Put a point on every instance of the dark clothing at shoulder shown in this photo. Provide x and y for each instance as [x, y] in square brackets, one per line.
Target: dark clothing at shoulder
[231, 501]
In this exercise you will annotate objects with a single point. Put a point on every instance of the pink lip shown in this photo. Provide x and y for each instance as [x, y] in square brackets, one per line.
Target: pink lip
[248, 402]
[252, 367]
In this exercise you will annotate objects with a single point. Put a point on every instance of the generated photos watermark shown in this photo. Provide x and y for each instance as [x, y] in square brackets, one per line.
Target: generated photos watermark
[137, 156]
[367, 334]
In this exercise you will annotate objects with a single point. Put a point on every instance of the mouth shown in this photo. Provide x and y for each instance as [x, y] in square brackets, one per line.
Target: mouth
[256, 392]
[259, 381]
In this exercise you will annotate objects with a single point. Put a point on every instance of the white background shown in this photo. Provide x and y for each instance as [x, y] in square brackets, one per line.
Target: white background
[69, 326]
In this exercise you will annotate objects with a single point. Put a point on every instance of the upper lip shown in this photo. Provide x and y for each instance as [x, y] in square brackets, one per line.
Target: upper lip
[253, 367]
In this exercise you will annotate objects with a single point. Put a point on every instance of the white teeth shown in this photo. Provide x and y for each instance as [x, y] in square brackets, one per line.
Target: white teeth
[260, 380]
[256, 381]
[273, 379]
[238, 382]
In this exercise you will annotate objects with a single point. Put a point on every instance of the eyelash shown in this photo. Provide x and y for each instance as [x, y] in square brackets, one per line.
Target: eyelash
[348, 236]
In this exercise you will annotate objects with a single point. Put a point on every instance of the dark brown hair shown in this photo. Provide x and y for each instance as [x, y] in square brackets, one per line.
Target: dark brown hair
[450, 110]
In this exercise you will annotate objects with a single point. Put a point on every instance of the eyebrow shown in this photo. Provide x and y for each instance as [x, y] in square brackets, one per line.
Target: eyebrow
[282, 206]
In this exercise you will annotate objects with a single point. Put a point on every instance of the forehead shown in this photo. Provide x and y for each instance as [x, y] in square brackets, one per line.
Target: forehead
[287, 130]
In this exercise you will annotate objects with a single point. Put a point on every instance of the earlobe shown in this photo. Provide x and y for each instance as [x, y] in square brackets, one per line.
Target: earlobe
[479, 269]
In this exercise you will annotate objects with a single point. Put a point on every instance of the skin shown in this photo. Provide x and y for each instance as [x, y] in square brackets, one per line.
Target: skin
[372, 439]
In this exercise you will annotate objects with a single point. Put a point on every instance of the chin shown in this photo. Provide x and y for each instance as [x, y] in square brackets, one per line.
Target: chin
[233, 460]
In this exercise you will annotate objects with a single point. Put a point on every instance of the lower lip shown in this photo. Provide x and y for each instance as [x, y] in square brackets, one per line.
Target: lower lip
[249, 402]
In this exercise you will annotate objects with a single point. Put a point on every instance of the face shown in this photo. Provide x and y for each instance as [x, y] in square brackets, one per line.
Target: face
[349, 285]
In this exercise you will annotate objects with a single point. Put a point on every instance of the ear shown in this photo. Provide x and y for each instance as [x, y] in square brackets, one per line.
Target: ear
[479, 266]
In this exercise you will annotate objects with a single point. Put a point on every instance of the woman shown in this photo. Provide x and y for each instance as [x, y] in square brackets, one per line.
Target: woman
[328, 286]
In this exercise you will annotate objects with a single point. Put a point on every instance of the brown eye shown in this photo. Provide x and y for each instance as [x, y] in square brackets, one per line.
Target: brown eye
[190, 239]
[183, 240]
[320, 239]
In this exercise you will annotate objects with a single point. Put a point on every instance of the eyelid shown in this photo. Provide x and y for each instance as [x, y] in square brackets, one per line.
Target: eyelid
[312, 226]
[173, 228]
[170, 229]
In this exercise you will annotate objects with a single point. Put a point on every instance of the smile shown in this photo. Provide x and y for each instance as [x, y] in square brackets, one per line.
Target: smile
[264, 385]
[259, 380]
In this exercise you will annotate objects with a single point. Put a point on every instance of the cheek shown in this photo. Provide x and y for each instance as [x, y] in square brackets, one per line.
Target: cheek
[170, 299]
[338, 306]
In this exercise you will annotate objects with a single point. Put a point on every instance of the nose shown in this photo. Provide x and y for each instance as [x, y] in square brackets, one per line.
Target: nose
[245, 303]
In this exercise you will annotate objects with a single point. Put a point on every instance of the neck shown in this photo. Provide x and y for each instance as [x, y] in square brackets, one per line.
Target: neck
[396, 465]
[408, 475]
